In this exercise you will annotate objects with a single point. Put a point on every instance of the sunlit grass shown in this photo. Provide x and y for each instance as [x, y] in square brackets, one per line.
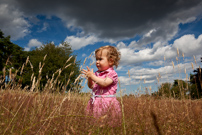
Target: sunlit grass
[44, 113]
[28, 111]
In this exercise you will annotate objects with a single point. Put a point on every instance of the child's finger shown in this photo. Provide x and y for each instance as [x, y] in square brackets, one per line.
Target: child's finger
[88, 68]
[84, 70]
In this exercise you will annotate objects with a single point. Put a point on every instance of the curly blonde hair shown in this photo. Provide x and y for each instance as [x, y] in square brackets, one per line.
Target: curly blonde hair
[112, 54]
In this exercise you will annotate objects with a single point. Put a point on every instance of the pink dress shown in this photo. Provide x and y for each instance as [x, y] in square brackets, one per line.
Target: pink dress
[102, 105]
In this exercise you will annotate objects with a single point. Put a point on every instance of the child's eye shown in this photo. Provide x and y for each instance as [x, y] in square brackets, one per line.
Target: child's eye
[98, 59]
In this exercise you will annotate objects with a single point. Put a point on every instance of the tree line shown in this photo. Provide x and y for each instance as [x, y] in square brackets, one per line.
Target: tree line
[183, 89]
[55, 66]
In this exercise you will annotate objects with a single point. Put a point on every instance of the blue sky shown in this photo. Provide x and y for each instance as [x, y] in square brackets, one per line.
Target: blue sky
[150, 34]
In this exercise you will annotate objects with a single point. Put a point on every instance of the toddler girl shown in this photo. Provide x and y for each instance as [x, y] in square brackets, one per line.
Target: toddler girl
[103, 83]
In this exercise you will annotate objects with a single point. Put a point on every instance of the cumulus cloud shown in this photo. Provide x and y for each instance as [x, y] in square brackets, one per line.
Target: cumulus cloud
[12, 22]
[79, 42]
[156, 63]
[163, 74]
[130, 56]
[187, 44]
[125, 80]
[33, 43]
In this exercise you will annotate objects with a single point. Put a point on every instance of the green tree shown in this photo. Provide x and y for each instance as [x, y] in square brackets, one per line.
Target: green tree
[11, 55]
[165, 90]
[196, 81]
[51, 66]
[178, 89]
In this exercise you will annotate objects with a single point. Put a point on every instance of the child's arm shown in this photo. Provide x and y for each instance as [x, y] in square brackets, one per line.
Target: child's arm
[90, 83]
[103, 82]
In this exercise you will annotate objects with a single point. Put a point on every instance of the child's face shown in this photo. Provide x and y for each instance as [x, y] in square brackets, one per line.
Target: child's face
[102, 62]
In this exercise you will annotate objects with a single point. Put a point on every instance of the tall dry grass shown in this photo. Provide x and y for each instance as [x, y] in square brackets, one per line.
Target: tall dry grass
[28, 111]
[44, 113]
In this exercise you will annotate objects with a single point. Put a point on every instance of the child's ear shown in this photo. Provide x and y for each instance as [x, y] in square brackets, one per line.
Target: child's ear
[111, 62]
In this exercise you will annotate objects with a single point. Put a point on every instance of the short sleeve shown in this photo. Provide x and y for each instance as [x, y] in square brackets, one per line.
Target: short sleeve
[113, 75]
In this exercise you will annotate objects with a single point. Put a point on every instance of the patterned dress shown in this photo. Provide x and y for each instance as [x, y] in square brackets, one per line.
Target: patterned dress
[105, 103]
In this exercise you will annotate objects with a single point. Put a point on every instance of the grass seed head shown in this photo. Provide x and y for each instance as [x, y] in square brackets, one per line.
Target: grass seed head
[192, 65]
[22, 69]
[178, 52]
[44, 58]
[176, 58]
[183, 55]
[27, 60]
[84, 61]
[68, 59]
[173, 64]
[194, 59]
[128, 73]
[68, 65]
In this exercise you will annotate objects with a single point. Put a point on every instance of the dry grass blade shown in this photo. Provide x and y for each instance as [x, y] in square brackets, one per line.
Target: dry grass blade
[157, 79]
[44, 58]
[194, 59]
[128, 73]
[68, 59]
[192, 65]
[176, 58]
[68, 65]
[33, 85]
[22, 69]
[14, 117]
[178, 54]
[173, 64]
[183, 55]
[84, 61]
[31, 65]
[27, 60]
[77, 79]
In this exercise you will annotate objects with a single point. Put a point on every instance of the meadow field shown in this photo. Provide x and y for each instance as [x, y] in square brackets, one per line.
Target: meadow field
[30, 113]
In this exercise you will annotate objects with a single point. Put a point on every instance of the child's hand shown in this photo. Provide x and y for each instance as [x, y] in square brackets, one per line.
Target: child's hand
[87, 72]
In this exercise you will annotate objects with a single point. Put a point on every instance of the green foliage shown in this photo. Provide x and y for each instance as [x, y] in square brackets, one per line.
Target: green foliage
[11, 55]
[196, 81]
[178, 90]
[165, 89]
[51, 59]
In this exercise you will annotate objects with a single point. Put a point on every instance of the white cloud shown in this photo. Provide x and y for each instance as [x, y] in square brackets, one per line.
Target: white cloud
[84, 55]
[45, 26]
[156, 63]
[34, 43]
[79, 42]
[129, 56]
[12, 22]
[27, 48]
[121, 45]
[149, 33]
[164, 74]
[124, 80]
[189, 45]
